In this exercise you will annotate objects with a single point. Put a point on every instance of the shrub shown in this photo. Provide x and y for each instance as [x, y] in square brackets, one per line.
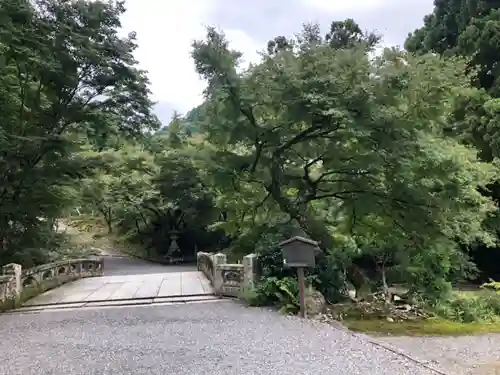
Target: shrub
[492, 285]
[283, 293]
[482, 307]
[327, 277]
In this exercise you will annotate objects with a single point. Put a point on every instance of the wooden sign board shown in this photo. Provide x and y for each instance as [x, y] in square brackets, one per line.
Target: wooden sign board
[299, 252]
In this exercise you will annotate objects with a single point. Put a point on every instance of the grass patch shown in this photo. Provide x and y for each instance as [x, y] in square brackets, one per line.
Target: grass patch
[467, 293]
[466, 312]
[427, 327]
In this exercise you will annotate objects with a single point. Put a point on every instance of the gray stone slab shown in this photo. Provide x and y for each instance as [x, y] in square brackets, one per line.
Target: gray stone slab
[148, 289]
[121, 287]
[119, 303]
[126, 291]
[75, 297]
[206, 284]
[191, 284]
[45, 307]
[129, 278]
[191, 274]
[42, 300]
[81, 285]
[171, 286]
[104, 292]
[207, 287]
[48, 297]
[184, 299]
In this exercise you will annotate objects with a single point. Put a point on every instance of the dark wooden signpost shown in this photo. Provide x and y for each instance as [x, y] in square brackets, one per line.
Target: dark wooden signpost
[300, 253]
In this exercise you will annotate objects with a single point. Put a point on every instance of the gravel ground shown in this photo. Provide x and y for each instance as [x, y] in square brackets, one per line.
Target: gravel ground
[212, 338]
[466, 355]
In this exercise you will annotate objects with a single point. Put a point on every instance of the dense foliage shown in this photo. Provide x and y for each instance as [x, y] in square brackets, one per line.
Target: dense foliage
[388, 161]
[471, 29]
[353, 149]
[67, 81]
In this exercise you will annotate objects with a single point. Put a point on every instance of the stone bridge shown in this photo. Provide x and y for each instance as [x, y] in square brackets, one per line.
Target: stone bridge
[17, 284]
[121, 280]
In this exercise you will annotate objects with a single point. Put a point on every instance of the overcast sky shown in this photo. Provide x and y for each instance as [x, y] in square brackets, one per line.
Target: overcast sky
[166, 28]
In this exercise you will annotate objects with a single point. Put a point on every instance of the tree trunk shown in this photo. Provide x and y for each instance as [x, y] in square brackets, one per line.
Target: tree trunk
[385, 287]
[309, 224]
[108, 218]
[319, 232]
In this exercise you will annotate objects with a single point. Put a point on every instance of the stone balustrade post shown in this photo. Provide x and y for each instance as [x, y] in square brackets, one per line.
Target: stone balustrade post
[14, 269]
[249, 271]
[198, 255]
[218, 259]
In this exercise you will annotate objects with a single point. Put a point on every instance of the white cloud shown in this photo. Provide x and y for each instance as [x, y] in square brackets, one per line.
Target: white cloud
[333, 6]
[165, 30]
[242, 42]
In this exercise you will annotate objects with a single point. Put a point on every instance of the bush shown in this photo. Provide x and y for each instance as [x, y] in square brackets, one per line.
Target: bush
[492, 285]
[35, 248]
[482, 307]
[86, 223]
[271, 264]
[327, 277]
[283, 293]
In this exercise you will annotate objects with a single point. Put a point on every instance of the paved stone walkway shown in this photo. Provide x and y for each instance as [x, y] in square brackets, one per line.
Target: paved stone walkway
[128, 281]
[116, 264]
[127, 287]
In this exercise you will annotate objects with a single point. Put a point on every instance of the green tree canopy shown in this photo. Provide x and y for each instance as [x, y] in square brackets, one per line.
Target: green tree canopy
[66, 78]
[343, 143]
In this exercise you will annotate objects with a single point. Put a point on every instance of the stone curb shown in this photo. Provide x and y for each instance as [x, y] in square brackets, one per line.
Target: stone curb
[364, 337]
[400, 352]
[186, 296]
[117, 303]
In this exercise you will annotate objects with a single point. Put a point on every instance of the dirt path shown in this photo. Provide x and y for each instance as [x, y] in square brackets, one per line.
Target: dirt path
[93, 242]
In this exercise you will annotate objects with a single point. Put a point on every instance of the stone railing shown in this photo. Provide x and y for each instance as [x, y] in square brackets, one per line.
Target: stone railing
[205, 263]
[228, 279]
[14, 280]
[10, 282]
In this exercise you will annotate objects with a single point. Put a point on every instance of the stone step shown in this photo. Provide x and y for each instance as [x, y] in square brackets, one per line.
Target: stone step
[121, 303]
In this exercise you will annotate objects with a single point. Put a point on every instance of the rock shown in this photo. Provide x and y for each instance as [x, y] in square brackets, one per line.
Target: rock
[351, 291]
[405, 307]
[370, 298]
[315, 302]
[322, 318]
[397, 289]
[390, 320]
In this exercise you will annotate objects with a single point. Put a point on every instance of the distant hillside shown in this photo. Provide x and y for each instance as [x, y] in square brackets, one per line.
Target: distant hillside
[192, 122]
[189, 125]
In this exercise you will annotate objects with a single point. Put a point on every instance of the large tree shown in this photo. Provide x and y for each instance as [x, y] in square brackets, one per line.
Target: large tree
[470, 29]
[67, 77]
[464, 27]
[344, 144]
